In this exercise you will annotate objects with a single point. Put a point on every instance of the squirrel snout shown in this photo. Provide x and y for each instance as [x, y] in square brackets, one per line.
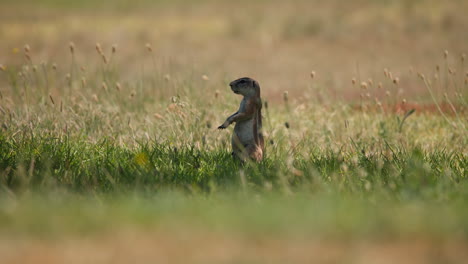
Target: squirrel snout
[233, 88]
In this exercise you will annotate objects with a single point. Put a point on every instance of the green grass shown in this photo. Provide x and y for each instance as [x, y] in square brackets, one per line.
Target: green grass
[63, 162]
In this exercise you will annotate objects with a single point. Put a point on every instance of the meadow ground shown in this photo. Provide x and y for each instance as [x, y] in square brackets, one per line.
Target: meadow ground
[109, 150]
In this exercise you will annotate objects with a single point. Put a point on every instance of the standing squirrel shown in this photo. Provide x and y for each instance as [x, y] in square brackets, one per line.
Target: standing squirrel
[247, 140]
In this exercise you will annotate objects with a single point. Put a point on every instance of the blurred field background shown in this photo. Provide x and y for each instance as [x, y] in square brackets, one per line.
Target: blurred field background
[339, 40]
[109, 150]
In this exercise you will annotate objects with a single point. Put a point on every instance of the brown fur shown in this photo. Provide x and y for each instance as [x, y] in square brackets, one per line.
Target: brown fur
[247, 139]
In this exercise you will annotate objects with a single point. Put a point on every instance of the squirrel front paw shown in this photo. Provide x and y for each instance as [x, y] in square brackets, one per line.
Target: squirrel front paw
[224, 125]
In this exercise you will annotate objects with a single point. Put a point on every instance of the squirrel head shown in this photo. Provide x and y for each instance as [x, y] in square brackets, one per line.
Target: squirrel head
[245, 86]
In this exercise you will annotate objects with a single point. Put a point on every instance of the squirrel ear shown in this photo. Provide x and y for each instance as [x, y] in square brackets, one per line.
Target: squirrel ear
[256, 85]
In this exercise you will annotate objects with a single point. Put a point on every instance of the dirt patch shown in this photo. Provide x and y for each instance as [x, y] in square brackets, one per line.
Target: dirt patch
[202, 247]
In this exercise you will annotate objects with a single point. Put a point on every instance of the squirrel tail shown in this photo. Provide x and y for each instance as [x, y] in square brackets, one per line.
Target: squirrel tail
[261, 141]
[259, 136]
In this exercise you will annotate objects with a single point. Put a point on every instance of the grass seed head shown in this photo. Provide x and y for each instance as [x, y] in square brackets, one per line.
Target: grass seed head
[95, 98]
[118, 86]
[104, 86]
[148, 47]
[385, 71]
[380, 85]
[27, 49]
[205, 78]
[312, 74]
[68, 76]
[98, 48]
[396, 80]
[451, 71]
[114, 48]
[353, 81]
[83, 81]
[446, 53]
[167, 77]
[2, 68]
[364, 85]
[54, 66]
[463, 57]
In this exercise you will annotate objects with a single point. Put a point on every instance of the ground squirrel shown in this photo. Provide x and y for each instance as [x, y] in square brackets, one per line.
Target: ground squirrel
[247, 139]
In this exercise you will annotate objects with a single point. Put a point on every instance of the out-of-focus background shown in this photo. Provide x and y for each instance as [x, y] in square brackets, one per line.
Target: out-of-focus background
[277, 42]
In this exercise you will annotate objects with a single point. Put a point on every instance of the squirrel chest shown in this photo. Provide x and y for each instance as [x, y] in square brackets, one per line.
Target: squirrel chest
[244, 129]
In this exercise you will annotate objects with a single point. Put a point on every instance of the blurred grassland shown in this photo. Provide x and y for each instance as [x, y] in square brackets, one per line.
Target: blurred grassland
[339, 40]
[303, 215]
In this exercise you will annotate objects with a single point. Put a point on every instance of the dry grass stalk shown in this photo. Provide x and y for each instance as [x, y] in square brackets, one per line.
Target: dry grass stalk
[72, 47]
[51, 99]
